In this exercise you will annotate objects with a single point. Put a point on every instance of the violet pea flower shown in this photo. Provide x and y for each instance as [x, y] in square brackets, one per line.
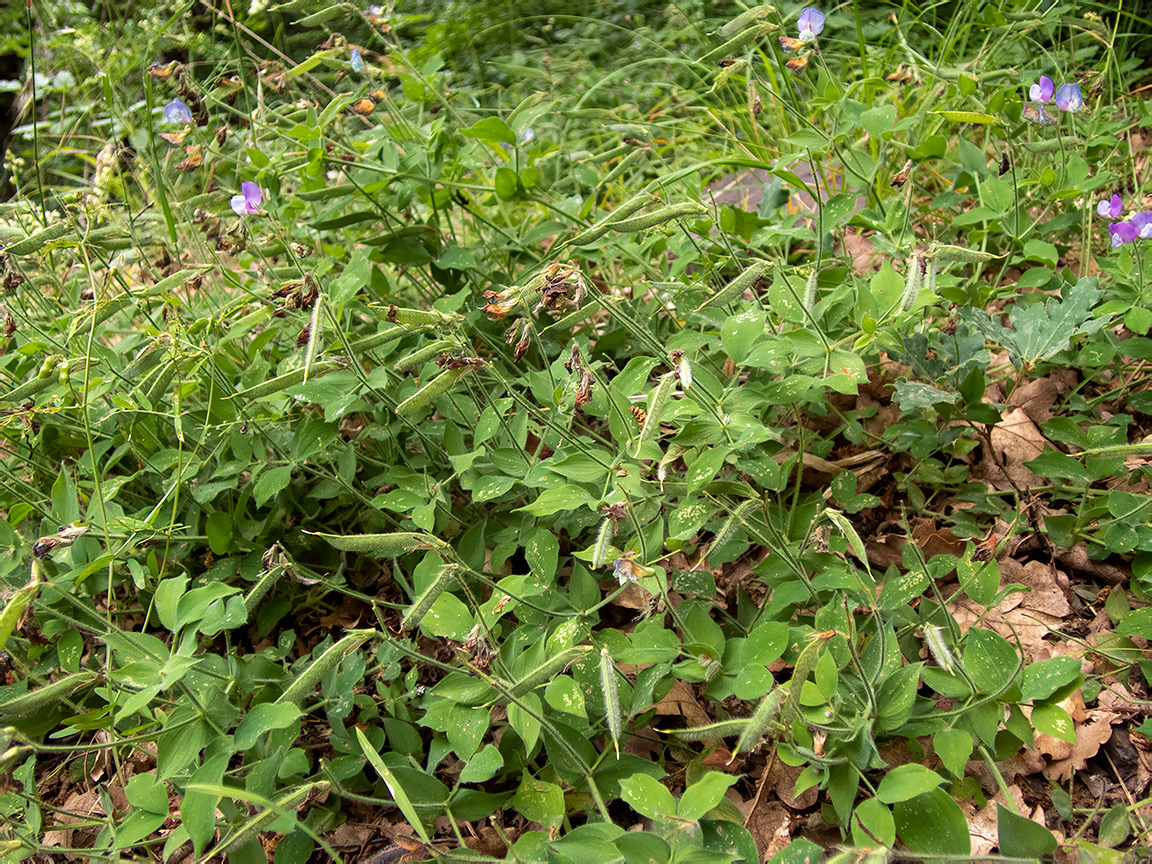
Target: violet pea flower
[1041, 92]
[247, 203]
[1111, 209]
[177, 112]
[811, 24]
[1069, 98]
[357, 61]
[1122, 232]
[1142, 225]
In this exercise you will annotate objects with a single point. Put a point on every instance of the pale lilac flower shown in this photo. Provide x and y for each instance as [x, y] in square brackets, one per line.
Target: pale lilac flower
[811, 24]
[1069, 98]
[1122, 232]
[625, 571]
[528, 136]
[1041, 92]
[1142, 225]
[177, 112]
[247, 203]
[374, 14]
[1111, 209]
[357, 62]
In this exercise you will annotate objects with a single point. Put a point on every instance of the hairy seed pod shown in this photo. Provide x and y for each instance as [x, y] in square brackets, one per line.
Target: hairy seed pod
[176, 280]
[376, 340]
[744, 19]
[288, 379]
[285, 805]
[659, 217]
[932, 278]
[547, 670]
[388, 545]
[607, 155]
[1048, 145]
[420, 355]
[603, 542]
[759, 722]
[609, 689]
[48, 697]
[328, 193]
[28, 388]
[37, 241]
[590, 236]
[734, 45]
[734, 289]
[810, 289]
[431, 391]
[944, 253]
[155, 385]
[417, 317]
[423, 603]
[731, 524]
[711, 732]
[261, 588]
[934, 641]
[302, 687]
[912, 282]
[627, 162]
[657, 399]
[148, 358]
[601, 227]
[315, 325]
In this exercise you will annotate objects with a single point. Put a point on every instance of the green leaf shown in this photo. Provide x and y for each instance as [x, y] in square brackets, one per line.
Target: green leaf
[932, 823]
[448, 618]
[506, 184]
[1020, 837]
[1053, 720]
[564, 694]
[648, 796]
[704, 794]
[263, 718]
[551, 501]
[270, 483]
[394, 788]
[954, 747]
[905, 782]
[740, 331]
[483, 766]
[539, 801]
[877, 819]
[542, 550]
[799, 852]
[704, 468]
[1041, 680]
[990, 660]
[911, 395]
[491, 129]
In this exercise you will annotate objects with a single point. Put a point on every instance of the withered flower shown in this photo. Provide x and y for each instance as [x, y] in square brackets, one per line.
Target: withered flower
[62, 539]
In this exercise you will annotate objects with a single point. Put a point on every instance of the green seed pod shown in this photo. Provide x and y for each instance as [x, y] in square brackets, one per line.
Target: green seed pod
[328, 193]
[391, 545]
[945, 253]
[736, 288]
[285, 806]
[603, 542]
[609, 688]
[288, 379]
[917, 266]
[590, 236]
[37, 241]
[618, 150]
[431, 391]
[418, 317]
[62, 373]
[148, 358]
[420, 355]
[1050, 145]
[601, 226]
[48, 697]
[760, 721]
[317, 18]
[657, 399]
[805, 663]
[626, 163]
[711, 732]
[659, 217]
[260, 589]
[548, 669]
[155, 386]
[419, 609]
[302, 687]
[810, 289]
[912, 281]
[42, 381]
[734, 45]
[367, 343]
[731, 524]
[743, 19]
[932, 278]
[176, 280]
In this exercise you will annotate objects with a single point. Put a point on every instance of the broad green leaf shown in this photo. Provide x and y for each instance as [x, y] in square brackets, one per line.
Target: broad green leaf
[648, 796]
[704, 794]
[905, 782]
[1053, 720]
[263, 718]
[932, 823]
[954, 747]
[568, 497]
[1041, 680]
[491, 129]
[990, 660]
[1021, 837]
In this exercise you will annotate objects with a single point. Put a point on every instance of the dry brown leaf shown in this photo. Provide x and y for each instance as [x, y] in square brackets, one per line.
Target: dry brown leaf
[1036, 398]
[680, 702]
[1015, 440]
[1090, 737]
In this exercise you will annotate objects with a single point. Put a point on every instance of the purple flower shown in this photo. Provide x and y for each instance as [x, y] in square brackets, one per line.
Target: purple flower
[1122, 232]
[1111, 209]
[811, 24]
[357, 61]
[1069, 98]
[1142, 225]
[1041, 92]
[177, 112]
[247, 203]
[528, 135]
